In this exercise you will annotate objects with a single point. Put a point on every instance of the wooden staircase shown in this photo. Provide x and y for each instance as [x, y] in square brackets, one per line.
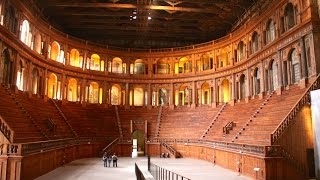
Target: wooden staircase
[213, 121]
[65, 118]
[118, 121]
[254, 115]
[171, 150]
[24, 111]
[158, 122]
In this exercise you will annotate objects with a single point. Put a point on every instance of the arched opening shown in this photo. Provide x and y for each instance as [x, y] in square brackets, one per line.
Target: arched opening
[295, 65]
[10, 20]
[242, 88]
[25, 30]
[183, 95]
[273, 75]
[163, 96]
[162, 67]
[117, 65]
[139, 136]
[35, 80]
[271, 31]
[223, 58]
[52, 86]
[116, 94]
[257, 82]
[94, 92]
[37, 43]
[75, 58]
[95, 62]
[289, 16]
[6, 68]
[255, 42]
[205, 93]
[240, 51]
[184, 65]
[72, 90]
[139, 67]
[138, 96]
[55, 51]
[225, 94]
[20, 76]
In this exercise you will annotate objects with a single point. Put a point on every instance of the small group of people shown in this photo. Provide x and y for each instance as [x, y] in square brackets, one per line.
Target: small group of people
[108, 158]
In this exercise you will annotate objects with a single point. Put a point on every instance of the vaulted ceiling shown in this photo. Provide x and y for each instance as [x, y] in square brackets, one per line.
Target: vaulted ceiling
[144, 23]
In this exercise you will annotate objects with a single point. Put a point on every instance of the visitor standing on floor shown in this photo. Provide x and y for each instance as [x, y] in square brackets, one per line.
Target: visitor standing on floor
[104, 159]
[109, 160]
[114, 159]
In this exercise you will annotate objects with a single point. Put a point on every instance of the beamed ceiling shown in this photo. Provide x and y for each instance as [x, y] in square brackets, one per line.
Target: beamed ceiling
[144, 23]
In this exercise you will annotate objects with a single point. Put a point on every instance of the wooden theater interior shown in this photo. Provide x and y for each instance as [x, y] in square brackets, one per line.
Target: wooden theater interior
[224, 81]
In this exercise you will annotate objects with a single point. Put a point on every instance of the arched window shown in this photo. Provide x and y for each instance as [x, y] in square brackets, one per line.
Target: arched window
[257, 82]
[242, 89]
[271, 31]
[162, 67]
[35, 80]
[139, 67]
[75, 58]
[255, 42]
[240, 51]
[10, 19]
[184, 65]
[205, 93]
[20, 77]
[273, 75]
[55, 51]
[117, 65]
[183, 95]
[225, 91]
[116, 94]
[94, 93]
[289, 16]
[294, 60]
[37, 43]
[6, 68]
[52, 86]
[95, 62]
[25, 29]
[72, 90]
[138, 96]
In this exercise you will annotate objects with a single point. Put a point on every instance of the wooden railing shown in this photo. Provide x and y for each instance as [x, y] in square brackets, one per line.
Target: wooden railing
[228, 127]
[294, 111]
[278, 151]
[242, 148]
[158, 122]
[110, 145]
[6, 130]
[64, 118]
[118, 121]
[172, 151]
[213, 121]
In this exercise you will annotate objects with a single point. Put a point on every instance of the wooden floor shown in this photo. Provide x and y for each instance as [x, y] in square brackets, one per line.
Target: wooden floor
[92, 169]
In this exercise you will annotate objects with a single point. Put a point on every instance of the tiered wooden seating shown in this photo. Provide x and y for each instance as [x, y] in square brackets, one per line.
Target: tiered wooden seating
[186, 123]
[239, 114]
[138, 115]
[24, 130]
[41, 111]
[92, 120]
[269, 117]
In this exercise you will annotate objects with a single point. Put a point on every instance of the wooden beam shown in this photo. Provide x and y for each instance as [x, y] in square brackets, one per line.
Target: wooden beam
[211, 10]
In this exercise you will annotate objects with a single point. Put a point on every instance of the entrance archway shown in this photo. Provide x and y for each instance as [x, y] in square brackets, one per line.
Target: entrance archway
[140, 136]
